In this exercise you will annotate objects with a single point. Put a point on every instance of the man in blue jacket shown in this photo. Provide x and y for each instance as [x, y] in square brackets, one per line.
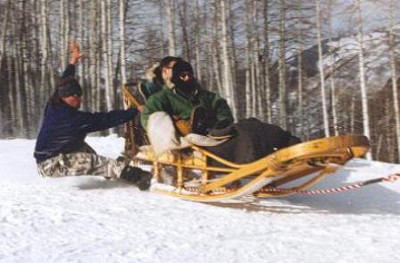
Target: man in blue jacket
[60, 147]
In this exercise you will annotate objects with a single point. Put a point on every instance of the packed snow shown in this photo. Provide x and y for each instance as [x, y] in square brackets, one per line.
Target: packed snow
[90, 219]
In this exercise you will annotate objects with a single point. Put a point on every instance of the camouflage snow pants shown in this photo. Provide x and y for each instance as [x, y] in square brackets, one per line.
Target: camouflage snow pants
[84, 162]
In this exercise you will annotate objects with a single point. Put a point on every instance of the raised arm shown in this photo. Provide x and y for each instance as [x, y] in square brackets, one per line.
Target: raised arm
[76, 56]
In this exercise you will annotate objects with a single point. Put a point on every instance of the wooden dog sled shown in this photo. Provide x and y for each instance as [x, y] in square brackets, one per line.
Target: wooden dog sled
[193, 179]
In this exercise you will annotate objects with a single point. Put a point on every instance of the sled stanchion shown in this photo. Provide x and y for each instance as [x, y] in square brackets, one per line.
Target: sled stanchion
[204, 172]
[156, 171]
[179, 171]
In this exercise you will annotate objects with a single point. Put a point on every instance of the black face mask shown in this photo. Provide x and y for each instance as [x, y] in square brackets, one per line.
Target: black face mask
[183, 77]
[187, 86]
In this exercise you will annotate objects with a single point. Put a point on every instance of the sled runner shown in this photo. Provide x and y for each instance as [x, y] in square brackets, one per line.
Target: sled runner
[193, 179]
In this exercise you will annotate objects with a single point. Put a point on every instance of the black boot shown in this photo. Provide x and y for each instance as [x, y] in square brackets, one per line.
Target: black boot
[144, 181]
[130, 174]
[137, 176]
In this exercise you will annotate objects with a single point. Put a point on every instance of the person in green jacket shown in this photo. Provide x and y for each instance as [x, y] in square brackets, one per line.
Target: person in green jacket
[182, 95]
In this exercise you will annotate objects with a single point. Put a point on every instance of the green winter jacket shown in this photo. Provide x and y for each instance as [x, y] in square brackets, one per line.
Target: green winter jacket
[180, 106]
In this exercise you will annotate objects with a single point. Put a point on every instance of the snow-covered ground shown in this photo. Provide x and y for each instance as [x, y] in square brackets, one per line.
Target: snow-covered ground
[89, 219]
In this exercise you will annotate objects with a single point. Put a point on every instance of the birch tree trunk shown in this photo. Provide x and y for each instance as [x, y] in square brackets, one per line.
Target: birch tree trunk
[363, 86]
[11, 96]
[18, 83]
[321, 69]
[388, 135]
[393, 70]
[184, 25]
[4, 32]
[227, 76]
[214, 49]
[81, 69]
[231, 14]
[170, 12]
[253, 85]
[110, 55]
[266, 62]
[258, 81]
[35, 62]
[65, 31]
[122, 10]
[106, 56]
[198, 41]
[332, 78]
[27, 105]
[248, 86]
[281, 65]
[300, 79]
[93, 54]
[44, 51]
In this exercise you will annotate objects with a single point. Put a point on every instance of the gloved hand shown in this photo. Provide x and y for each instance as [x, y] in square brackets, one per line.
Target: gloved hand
[198, 120]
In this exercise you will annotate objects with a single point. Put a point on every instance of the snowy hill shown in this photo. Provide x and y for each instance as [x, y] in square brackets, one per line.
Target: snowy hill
[89, 219]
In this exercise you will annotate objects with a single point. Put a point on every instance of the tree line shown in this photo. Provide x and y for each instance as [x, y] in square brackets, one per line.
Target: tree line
[316, 68]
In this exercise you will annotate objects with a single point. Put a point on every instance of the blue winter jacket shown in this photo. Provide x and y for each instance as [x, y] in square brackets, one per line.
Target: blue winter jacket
[64, 128]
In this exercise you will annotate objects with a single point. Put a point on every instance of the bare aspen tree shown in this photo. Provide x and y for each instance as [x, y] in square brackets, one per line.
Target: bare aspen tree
[321, 68]
[231, 19]
[281, 66]
[11, 96]
[363, 86]
[81, 34]
[300, 84]
[4, 32]
[207, 29]
[27, 104]
[110, 53]
[106, 49]
[248, 86]
[162, 22]
[182, 11]
[332, 71]
[94, 92]
[266, 62]
[18, 71]
[8, 70]
[64, 31]
[227, 76]
[122, 10]
[388, 134]
[35, 62]
[170, 12]
[44, 51]
[258, 80]
[198, 42]
[214, 49]
[253, 84]
[393, 70]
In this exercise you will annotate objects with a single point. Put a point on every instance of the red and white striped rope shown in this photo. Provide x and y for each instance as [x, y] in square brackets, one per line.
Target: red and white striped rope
[389, 178]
